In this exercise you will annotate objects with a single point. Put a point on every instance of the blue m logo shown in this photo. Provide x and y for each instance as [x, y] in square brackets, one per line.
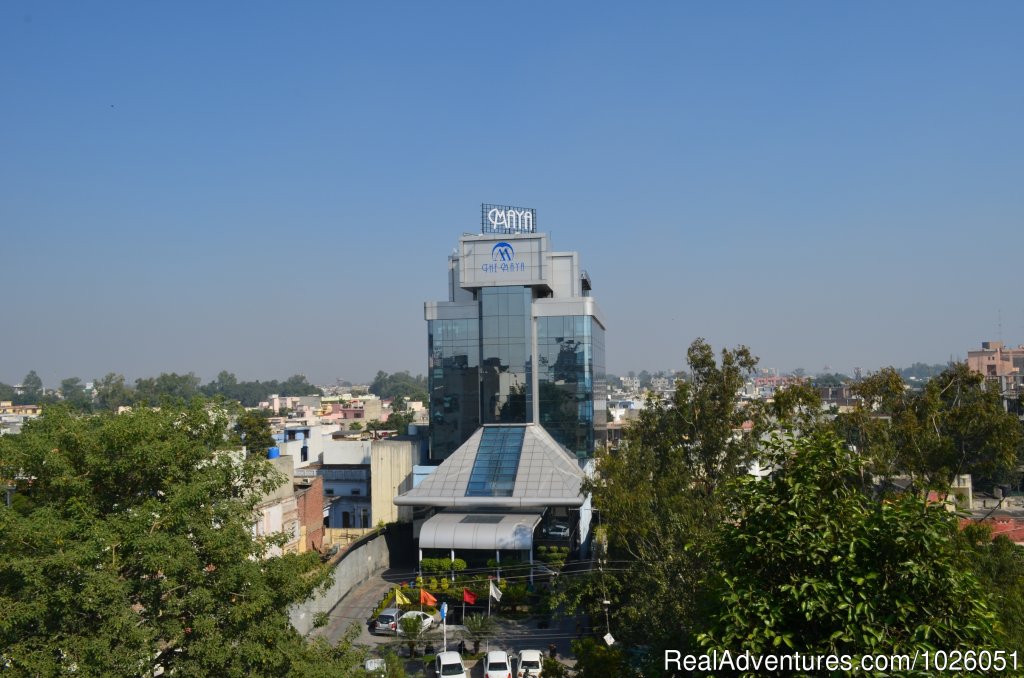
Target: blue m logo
[502, 252]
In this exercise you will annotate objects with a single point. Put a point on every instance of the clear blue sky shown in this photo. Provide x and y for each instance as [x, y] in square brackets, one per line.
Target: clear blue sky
[272, 188]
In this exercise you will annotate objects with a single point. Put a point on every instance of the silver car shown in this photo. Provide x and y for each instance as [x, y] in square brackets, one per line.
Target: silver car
[387, 622]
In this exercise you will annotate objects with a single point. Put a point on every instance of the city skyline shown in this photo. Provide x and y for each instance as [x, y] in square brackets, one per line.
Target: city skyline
[267, 191]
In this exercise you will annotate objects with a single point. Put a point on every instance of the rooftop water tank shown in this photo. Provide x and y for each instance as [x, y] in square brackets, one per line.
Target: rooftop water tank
[273, 452]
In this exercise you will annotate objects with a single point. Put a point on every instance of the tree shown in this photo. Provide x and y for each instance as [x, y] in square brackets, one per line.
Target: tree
[811, 562]
[479, 628]
[111, 392]
[999, 564]
[152, 391]
[956, 424]
[412, 633]
[660, 538]
[73, 392]
[253, 430]
[355, 426]
[400, 384]
[31, 389]
[134, 550]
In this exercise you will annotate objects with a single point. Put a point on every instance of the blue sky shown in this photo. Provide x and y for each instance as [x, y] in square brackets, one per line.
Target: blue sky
[273, 188]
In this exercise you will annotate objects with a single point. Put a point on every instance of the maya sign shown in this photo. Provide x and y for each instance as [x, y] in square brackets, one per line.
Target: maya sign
[506, 219]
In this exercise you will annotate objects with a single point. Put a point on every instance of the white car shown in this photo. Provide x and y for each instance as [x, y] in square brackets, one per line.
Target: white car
[449, 665]
[426, 621]
[497, 665]
[529, 660]
[557, 531]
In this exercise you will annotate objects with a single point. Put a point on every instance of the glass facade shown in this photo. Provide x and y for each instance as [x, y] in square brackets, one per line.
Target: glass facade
[571, 381]
[454, 382]
[497, 460]
[505, 339]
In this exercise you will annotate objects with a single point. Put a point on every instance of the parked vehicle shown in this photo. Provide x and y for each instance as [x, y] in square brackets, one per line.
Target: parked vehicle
[387, 622]
[496, 665]
[449, 665]
[556, 531]
[529, 664]
[426, 621]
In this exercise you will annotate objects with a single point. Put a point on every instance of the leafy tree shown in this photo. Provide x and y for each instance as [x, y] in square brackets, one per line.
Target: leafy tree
[152, 391]
[830, 379]
[73, 391]
[659, 502]
[355, 426]
[954, 425]
[134, 550]
[478, 628]
[818, 566]
[595, 659]
[399, 421]
[31, 389]
[412, 633]
[797, 407]
[922, 371]
[254, 432]
[400, 384]
[999, 564]
[6, 392]
[394, 666]
[111, 392]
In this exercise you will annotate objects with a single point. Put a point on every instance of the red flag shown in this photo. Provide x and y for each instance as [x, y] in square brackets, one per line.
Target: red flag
[426, 598]
[468, 597]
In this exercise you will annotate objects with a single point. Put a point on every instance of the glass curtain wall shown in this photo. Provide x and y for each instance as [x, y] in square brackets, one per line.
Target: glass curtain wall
[570, 364]
[505, 393]
[454, 383]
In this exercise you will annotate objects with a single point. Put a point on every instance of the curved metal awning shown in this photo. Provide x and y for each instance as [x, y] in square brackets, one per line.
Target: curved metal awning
[480, 531]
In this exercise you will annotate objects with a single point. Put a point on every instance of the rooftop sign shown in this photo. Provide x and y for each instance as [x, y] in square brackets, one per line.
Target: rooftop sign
[504, 219]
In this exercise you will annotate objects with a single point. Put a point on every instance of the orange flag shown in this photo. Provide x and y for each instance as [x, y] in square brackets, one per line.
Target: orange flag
[426, 598]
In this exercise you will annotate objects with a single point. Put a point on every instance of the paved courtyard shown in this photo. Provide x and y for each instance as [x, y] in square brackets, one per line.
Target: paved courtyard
[512, 636]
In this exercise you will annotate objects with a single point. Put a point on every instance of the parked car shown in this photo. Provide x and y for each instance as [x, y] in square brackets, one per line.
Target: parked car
[387, 621]
[529, 664]
[426, 621]
[449, 665]
[557, 531]
[496, 665]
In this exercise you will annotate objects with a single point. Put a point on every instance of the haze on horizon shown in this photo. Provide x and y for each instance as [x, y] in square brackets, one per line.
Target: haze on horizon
[274, 189]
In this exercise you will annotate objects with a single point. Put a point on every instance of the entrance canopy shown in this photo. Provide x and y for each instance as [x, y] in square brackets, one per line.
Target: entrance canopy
[480, 531]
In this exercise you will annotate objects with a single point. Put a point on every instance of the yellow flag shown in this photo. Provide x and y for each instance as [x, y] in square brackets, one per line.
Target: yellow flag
[401, 599]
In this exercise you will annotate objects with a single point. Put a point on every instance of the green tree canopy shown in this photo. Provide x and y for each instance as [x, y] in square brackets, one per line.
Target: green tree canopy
[956, 424]
[132, 547]
[812, 563]
[400, 384]
[658, 501]
[31, 389]
[73, 391]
